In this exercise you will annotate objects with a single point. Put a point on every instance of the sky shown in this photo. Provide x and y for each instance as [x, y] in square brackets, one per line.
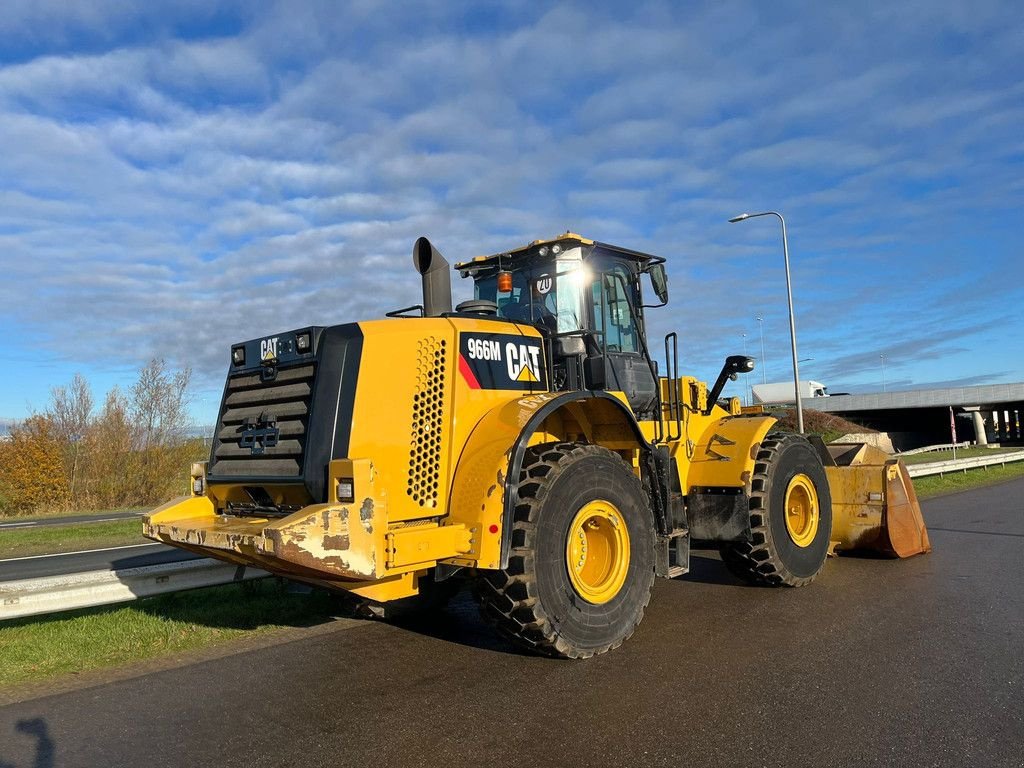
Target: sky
[178, 176]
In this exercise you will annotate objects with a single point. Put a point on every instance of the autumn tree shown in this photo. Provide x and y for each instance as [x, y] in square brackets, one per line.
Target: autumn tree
[132, 451]
[32, 467]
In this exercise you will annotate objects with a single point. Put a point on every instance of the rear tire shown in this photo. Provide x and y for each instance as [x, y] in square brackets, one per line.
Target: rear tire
[790, 516]
[581, 564]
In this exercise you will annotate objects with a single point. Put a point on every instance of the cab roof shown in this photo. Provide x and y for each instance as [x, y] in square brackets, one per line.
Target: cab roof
[564, 241]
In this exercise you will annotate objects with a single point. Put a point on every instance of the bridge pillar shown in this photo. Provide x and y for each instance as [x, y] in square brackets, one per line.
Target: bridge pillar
[979, 424]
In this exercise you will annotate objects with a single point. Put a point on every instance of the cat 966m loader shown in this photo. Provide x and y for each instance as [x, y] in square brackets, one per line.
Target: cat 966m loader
[528, 441]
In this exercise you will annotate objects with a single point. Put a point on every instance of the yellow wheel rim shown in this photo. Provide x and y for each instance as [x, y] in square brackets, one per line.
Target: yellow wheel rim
[802, 511]
[597, 552]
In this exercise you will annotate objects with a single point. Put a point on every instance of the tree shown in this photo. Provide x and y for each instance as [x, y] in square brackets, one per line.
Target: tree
[69, 413]
[31, 466]
[159, 404]
[70, 409]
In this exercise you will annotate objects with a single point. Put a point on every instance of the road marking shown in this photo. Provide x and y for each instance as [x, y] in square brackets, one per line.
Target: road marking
[69, 521]
[81, 552]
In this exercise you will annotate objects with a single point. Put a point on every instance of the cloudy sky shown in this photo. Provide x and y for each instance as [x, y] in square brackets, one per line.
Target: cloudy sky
[177, 176]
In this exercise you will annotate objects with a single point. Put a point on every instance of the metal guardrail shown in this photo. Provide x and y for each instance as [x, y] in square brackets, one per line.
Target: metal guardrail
[962, 465]
[48, 594]
[939, 447]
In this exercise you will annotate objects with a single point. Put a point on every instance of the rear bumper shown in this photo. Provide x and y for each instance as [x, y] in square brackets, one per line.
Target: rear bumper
[347, 546]
[325, 541]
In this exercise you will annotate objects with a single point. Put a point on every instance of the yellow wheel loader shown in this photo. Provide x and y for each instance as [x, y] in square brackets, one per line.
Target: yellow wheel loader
[524, 440]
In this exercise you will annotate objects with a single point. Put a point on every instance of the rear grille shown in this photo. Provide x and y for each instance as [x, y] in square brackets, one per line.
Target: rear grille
[428, 419]
[250, 402]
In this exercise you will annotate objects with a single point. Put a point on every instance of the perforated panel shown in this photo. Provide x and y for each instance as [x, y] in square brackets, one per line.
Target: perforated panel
[427, 422]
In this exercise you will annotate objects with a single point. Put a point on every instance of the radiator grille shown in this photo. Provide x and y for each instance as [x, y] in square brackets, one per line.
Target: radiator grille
[286, 400]
[427, 420]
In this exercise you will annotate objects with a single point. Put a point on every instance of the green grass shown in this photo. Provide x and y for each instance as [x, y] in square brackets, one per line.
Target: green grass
[936, 485]
[961, 453]
[77, 641]
[22, 542]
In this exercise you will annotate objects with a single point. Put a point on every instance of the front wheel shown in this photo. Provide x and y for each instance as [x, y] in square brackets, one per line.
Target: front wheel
[790, 516]
[582, 560]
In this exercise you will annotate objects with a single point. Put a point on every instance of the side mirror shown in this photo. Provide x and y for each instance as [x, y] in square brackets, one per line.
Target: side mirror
[734, 365]
[570, 346]
[659, 281]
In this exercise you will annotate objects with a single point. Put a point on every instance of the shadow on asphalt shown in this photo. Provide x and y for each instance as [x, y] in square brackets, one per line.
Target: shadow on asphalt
[45, 749]
[707, 568]
[461, 623]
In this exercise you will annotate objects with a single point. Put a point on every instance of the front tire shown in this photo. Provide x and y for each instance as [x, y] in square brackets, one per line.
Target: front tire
[790, 516]
[581, 564]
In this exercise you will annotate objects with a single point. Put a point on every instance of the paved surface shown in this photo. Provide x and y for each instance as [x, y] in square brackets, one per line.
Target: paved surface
[878, 662]
[47, 522]
[113, 559]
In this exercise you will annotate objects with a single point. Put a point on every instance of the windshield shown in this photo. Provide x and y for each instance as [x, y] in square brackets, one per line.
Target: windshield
[547, 294]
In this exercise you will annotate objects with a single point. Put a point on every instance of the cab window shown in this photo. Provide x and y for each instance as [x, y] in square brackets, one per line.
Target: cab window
[612, 315]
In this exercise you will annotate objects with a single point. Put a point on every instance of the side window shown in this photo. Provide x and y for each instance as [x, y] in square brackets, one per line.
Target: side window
[611, 310]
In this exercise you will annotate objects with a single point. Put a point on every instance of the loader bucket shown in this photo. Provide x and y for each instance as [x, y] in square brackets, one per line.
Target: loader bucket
[874, 506]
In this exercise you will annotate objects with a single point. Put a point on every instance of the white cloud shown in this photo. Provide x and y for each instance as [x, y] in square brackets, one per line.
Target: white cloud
[167, 194]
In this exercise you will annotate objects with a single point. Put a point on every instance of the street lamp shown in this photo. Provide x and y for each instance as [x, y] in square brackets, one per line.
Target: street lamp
[883, 371]
[792, 321]
[745, 387]
[764, 367]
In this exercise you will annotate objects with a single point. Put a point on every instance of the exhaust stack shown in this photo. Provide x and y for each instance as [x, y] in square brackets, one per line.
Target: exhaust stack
[437, 278]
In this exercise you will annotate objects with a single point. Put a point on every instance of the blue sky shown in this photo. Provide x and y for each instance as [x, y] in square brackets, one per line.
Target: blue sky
[177, 176]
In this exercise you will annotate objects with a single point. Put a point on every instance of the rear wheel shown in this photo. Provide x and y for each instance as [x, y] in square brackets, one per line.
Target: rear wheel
[790, 516]
[582, 560]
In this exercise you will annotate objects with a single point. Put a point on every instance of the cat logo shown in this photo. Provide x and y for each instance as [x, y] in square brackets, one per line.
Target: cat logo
[502, 361]
[523, 362]
[268, 349]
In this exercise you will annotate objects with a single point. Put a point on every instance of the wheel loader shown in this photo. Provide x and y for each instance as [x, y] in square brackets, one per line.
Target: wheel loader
[525, 440]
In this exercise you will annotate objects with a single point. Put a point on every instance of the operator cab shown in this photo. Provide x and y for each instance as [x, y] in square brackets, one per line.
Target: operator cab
[585, 297]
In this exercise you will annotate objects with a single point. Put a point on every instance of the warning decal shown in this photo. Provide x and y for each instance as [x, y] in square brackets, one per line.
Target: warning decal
[501, 361]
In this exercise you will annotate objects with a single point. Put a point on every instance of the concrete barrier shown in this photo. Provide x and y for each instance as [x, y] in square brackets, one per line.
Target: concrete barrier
[31, 597]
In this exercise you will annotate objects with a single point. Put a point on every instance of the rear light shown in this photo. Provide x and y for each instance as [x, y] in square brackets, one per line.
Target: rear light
[345, 490]
[198, 475]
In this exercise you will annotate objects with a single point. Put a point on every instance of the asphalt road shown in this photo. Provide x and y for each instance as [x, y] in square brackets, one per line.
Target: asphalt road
[111, 559]
[49, 522]
[887, 663]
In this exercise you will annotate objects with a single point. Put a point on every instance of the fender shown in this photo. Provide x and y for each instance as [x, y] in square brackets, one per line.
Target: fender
[724, 455]
[484, 494]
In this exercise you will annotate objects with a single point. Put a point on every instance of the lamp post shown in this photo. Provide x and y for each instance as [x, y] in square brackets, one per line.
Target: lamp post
[792, 321]
[764, 369]
[882, 357]
[745, 387]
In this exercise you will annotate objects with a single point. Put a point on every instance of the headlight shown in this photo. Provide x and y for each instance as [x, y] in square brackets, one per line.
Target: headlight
[238, 355]
[303, 342]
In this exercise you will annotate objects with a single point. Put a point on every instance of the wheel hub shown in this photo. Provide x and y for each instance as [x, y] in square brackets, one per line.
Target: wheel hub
[802, 510]
[597, 552]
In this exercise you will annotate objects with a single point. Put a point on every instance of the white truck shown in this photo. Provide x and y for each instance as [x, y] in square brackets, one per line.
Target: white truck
[783, 392]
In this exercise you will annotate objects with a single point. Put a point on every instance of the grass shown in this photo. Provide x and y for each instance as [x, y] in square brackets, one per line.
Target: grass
[36, 648]
[23, 542]
[937, 485]
[961, 453]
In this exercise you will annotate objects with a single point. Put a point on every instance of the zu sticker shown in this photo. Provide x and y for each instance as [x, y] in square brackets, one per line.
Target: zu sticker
[501, 361]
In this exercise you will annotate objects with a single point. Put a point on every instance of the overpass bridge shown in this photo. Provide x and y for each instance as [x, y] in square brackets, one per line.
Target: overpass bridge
[987, 413]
